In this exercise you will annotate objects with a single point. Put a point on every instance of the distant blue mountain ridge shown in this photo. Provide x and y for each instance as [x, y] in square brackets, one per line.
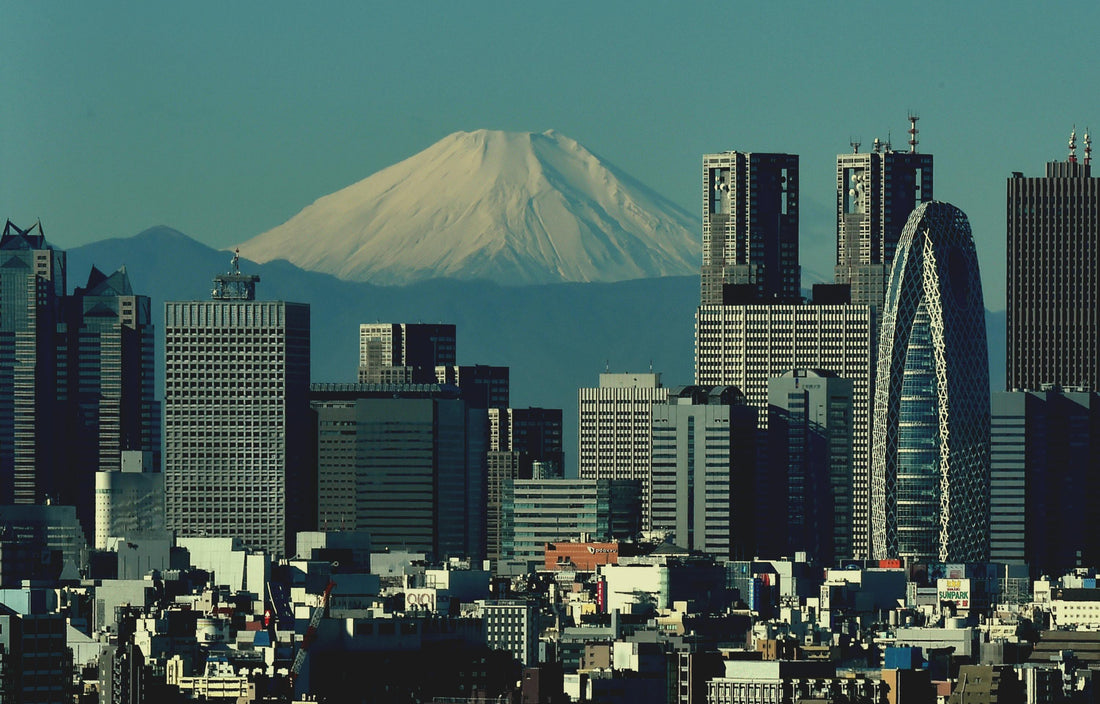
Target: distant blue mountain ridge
[556, 338]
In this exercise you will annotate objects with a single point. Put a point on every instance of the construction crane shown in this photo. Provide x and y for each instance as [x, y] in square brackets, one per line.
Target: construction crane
[311, 632]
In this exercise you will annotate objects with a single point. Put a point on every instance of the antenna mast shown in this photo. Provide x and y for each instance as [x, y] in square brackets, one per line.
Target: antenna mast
[913, 131]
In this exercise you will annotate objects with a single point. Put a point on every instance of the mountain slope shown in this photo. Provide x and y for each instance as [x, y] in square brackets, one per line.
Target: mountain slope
[509, 207]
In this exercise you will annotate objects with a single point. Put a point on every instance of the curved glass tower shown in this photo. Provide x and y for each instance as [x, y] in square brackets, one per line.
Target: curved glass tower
[930, 441]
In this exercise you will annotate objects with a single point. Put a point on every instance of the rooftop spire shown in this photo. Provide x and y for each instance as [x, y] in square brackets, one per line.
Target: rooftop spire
[1088, 147]
[1073, 145]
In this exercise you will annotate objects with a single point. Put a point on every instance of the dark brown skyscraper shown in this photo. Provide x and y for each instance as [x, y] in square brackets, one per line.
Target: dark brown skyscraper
[1054, 276]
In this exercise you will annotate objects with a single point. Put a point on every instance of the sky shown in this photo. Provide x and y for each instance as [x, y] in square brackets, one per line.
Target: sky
[223, 120]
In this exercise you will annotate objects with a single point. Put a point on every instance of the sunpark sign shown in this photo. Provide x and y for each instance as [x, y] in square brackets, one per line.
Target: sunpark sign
[954, 590]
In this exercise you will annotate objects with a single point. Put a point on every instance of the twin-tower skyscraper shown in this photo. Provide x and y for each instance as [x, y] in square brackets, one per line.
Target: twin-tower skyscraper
[904, 317]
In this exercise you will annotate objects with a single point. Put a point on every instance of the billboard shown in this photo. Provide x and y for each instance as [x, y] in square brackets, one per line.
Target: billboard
[954, 590]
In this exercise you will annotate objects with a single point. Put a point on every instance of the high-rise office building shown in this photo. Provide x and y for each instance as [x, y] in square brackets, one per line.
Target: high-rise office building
[1044, 481]
[404, 353]
[1054, 277]
[238, 435]
[616, 421]
[808, 481]
[541, 511]
[32, 286]
[108, 384]
[704, 451]
[523, 442]
[395, 461]
[876, 191]
[750, 228]
[930, 449]
[746, 345]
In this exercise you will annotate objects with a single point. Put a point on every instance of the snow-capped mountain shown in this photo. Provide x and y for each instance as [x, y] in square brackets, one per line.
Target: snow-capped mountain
[510, 207]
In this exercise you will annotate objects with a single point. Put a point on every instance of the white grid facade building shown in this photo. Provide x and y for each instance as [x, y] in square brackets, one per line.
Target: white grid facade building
[746, 345]
[236, 420]
[616, 427]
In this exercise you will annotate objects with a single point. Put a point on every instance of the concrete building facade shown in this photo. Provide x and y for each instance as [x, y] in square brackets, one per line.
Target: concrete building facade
[810, 468]
[404, 353]
[541, 511]
[1054, 277]
[704, 443]
[750, 227]
[616, 422]
[875, 192]
[395, 461]
[746, 345]
[238, 458]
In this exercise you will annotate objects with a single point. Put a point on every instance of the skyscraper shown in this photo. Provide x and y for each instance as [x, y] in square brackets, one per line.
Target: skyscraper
[32, 286]
[1044, 479]
[238, 452]
[750, 228]
[404, 353]
[394, 460]
[875, 192]
[810, 465]
[930, 448]
[746, 345]
[520, 439]
[704, 452]
[108, 384]
[1054, 277]
[616, 421]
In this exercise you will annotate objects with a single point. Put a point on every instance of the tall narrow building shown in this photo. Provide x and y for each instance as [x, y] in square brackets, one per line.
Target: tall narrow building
[704, 454]
[875, 193]
[747, 345]
[238, 457]
[524, 443]
[930, 447]
[809, 483]
[1054, 276]
[616, 422]
[32, 286]
[108, 384]
[750, 228]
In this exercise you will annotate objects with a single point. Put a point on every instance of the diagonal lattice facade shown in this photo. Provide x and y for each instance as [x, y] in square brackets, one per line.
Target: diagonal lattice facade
[930, 438]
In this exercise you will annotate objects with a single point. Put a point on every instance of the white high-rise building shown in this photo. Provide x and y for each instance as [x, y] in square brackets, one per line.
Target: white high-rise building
[746, 345]
[237, 457]
[616, 422]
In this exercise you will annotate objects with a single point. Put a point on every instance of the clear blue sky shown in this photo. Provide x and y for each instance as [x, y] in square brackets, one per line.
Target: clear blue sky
[224, 119]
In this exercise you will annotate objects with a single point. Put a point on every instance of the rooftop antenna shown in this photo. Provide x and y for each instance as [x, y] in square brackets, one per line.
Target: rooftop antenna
[1073, 145]
[913, 131]
[1088, 147]
[854, 141]
[607, 366]
[651, 366]
[889, 145]
[877, 146]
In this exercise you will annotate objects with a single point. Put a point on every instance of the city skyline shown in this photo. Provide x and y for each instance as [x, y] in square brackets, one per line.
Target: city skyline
[223, 126]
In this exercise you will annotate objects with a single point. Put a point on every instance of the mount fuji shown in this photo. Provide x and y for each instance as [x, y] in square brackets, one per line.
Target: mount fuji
[514, 208]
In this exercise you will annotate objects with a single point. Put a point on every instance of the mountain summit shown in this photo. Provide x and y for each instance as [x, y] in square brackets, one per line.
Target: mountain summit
[510, 207]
